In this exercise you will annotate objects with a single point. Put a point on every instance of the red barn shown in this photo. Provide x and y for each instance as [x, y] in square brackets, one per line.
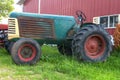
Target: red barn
[101, 10]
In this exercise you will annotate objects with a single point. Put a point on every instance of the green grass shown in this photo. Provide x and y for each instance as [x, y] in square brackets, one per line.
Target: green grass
[54, 66]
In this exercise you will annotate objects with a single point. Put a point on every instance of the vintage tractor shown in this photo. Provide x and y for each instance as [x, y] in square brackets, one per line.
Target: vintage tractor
[27, 32]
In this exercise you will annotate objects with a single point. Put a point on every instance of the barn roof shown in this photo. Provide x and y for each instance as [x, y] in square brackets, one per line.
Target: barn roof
[20, 2]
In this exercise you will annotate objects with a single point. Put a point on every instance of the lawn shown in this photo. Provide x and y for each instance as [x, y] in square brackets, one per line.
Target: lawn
[54, 66]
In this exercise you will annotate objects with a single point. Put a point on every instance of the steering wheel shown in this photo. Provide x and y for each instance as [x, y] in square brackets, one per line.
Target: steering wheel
[81, 16]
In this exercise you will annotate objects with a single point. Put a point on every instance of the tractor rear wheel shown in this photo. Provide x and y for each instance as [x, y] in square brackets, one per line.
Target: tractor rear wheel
[92, 43]
[64, 49]
[25, 51]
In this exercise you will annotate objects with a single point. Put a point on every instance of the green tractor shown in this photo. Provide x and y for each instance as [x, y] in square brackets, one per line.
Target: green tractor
[27, 32]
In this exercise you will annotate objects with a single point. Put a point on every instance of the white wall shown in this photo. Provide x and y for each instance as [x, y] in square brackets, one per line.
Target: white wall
[18, 8]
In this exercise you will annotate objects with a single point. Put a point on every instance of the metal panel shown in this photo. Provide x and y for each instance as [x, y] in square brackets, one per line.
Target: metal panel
[31, 6]
[11, 29]
[36, 28]
[61, 23]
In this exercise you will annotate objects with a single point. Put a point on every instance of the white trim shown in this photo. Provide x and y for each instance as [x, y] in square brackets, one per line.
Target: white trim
[39, 1]
[108, 15]
[97, 20]
[109, 27]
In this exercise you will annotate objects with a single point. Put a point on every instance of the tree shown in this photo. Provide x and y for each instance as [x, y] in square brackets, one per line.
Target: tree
[6, 6]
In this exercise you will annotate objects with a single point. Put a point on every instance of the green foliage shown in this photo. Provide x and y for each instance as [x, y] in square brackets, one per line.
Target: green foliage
[5, 7]
[54, 66]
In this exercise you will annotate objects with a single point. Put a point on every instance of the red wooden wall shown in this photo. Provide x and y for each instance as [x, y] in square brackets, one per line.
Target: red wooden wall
[91, 8]
[31, 6]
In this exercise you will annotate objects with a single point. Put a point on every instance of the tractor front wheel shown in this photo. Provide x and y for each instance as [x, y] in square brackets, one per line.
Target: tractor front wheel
[26, 51]
[92, 43]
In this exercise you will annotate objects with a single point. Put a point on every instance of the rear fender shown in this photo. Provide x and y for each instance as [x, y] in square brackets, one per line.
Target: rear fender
[86, 24]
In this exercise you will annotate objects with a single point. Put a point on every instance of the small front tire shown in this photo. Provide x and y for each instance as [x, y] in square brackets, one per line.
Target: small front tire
[25, 51]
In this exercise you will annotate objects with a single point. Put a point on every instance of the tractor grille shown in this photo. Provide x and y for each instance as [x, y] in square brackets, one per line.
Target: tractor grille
[36, 27]
[11, 24]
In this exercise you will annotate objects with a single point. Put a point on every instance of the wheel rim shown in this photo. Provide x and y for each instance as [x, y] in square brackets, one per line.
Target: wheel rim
[27, 52]
[94, 46]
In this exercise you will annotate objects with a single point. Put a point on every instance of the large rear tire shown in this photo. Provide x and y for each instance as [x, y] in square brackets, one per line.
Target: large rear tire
[92, 43]
[25, 51]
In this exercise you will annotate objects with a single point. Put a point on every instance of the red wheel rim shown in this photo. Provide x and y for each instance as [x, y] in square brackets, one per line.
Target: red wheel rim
[94, 46]
[27, 52]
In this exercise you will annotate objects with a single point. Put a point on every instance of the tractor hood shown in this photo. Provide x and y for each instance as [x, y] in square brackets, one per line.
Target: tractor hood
[62, 24]
[35, 15]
